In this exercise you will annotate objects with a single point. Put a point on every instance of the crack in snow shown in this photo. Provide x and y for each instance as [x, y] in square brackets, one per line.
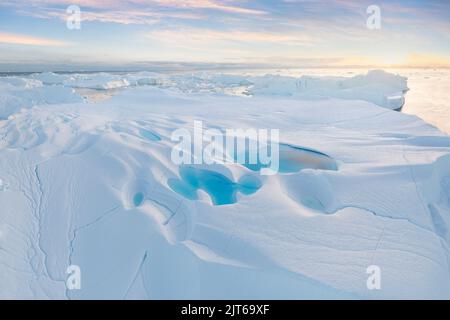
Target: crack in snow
[139, 270]
[77, 229]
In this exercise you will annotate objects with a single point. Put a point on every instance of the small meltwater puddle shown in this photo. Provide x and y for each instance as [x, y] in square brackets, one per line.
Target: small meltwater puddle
[138, 199]
[96, 95]
[293, 159]
[3, 185]
[149, 135]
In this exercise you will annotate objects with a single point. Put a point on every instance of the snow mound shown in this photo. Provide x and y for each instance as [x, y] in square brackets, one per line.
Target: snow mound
[20, 93]
[50, 78]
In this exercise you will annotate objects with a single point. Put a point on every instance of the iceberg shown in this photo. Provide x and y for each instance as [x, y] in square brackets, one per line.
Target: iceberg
[377, 86]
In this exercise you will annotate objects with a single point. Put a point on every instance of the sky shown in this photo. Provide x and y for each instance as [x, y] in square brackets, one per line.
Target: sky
[301, 33]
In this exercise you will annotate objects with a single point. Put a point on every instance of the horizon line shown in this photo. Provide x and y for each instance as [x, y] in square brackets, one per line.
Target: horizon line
[186, 66]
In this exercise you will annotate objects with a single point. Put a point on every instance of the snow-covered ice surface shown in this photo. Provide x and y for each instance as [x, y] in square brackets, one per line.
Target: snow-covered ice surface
[92, 184]
[19, 93]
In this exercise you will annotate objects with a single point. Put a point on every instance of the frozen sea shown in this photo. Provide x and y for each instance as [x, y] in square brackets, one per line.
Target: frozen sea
[428, 97]
[89, 186]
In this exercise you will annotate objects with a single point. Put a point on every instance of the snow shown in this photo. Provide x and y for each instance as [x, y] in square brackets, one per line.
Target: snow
[20, 93]
[92, 184]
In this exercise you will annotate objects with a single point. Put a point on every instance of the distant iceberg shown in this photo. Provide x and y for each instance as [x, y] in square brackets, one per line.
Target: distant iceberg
[379, 87]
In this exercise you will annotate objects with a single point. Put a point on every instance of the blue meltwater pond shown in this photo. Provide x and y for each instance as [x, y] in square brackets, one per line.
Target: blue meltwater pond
[221, 189]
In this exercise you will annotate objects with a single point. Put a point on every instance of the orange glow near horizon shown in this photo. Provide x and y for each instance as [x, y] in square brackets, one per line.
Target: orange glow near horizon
[10, 38]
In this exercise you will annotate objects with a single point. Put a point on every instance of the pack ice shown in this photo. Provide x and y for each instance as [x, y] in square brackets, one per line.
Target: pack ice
[91, 184]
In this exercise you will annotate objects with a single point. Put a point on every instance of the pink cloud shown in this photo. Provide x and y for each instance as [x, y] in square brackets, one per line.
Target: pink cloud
[128, 11]
[204, 4]
[11, 38]
[126, 5]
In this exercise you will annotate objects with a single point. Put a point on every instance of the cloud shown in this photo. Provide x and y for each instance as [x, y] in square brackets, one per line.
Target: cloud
[112, 14]
[189, 37]
[206, 4]
[128, 11]
[130, 17]
[219, 30]
[10, 38]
